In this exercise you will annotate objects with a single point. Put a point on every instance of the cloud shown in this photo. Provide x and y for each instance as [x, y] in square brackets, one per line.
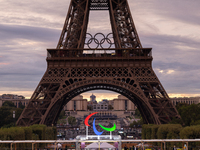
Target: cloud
[23, 54]
[15, 33]
[27, 28]
[4, 64]
[179, 10]
[49, 14]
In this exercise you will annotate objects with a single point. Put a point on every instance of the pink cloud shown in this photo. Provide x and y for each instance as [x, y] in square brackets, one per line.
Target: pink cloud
[4, 63]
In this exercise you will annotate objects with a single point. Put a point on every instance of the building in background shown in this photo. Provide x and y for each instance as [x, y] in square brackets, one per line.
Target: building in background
[93, 98]
[18, 100]
[120, 107]
[76, 104]
[123, 104]
[91, 102]
[11, 96]
[186, 100]
[79, 104]
[100, 107]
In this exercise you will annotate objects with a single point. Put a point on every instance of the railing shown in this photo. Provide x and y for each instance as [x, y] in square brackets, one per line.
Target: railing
[56, 146]
[99, 53]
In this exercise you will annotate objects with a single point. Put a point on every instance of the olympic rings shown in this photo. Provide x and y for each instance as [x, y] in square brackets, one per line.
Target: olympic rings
[99, 40]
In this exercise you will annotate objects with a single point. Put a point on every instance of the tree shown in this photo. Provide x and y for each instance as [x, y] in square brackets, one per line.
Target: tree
[137, 113]
[21, 105]
[71, 120]
[190, 114]
[6, 114]
[179, 105]
[62, 115]
[134, 124]
[138, 123]
[8, 104]
[62, 121]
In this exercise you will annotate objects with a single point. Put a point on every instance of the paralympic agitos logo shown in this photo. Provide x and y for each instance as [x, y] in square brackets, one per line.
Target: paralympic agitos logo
[94, 127]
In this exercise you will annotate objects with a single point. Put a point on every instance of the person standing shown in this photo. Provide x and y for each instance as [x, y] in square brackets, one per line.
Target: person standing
[125, 148]
[185, 146]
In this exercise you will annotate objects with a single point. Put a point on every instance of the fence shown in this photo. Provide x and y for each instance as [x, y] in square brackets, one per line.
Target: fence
[12, 145]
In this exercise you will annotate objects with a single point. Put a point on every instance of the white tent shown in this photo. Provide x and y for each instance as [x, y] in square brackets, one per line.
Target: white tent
[106, 145]
[92, 146]
[102, 145]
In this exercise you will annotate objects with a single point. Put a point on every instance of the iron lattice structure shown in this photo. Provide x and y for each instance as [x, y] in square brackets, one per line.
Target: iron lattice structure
[73, 69]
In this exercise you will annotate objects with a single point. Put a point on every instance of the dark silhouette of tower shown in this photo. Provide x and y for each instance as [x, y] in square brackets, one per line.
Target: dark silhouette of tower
[76, 66]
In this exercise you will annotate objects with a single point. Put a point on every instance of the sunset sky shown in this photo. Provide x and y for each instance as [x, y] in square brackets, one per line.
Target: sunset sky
[171, 28]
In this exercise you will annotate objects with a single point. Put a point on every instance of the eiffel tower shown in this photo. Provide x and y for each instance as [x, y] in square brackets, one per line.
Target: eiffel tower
[82, 62]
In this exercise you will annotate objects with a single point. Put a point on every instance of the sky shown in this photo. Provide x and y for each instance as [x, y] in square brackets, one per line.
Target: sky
[171, 28]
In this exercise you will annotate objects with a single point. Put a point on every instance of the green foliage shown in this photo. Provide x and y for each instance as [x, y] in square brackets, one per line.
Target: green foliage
[62, 118]
[62, 115]
[6, 114]
[191, 132]
[149, 131]
[38, 130]
[18, 112]
[28, 135]
[136, 123]
[154, 130]
[39, 133]
[55, 132]
[176, 121]
[179, 105]
[8, 104]
[169, 131]
[14, 133]
[190, 114]
[62, 121]
[34, 132]
[51, 133]
[71, 120]
[11, 104]
[137, 113]
[165, 131]
[21, 105]
[133, 124]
